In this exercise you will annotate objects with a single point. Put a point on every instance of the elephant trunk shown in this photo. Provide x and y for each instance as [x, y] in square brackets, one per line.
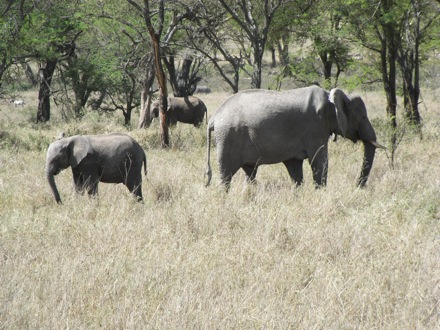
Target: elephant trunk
[51, 179]
[369, 152]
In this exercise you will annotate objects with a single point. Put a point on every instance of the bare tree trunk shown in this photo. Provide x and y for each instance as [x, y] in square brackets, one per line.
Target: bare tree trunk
[144, 119]
[160, 74]
[30, 76]
[283, 49]
[46, 73]
[258, 66]
[409, 66]
[388, 62]
[273, 62]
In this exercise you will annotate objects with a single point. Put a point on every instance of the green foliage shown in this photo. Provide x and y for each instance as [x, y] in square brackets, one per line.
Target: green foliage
[102, 45]
[23, 140]
[50, 28]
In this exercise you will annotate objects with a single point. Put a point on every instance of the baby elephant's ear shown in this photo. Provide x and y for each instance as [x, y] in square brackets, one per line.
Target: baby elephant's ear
[79, 147]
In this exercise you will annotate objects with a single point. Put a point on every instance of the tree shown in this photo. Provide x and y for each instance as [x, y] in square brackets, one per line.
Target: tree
[209, 34]
[254, 19]
[376, 30]
[392, 29]
[49, 36]
[13, 15]
[415, 25]
[162, 24]
[155, 35]
[147, 84]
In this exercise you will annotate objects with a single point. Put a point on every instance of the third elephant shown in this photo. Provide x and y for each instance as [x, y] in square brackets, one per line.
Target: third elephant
[188, 110]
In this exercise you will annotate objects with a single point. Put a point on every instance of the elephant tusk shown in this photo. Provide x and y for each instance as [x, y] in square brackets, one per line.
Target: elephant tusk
[377, 145]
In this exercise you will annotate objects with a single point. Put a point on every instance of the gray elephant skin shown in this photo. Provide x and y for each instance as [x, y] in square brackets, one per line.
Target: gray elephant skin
[112, 158]
[258, 127]
[188, 110]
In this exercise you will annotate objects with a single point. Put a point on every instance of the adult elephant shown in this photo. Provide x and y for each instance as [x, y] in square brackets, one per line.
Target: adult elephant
[258, 127]
[189, 110]
[112, 158]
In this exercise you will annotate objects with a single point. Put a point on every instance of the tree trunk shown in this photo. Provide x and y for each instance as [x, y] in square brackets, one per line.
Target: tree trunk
[163, 94]
[258, 63]
[283, 49]
[327, 63]
[46, 74]
[127, 114]
[273, 62]
[388, 62]
[30, 76]
[409, 66]
[160, 74]
[144, 118]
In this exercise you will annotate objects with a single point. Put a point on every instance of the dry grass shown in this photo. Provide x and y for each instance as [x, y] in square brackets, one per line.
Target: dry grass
[263, 256]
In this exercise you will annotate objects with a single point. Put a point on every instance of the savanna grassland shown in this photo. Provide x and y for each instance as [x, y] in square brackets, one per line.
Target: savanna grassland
[263, 256]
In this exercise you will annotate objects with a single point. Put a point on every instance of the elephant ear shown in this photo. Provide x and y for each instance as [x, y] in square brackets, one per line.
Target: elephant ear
[342, 104]
[168, 104]
[79, 147]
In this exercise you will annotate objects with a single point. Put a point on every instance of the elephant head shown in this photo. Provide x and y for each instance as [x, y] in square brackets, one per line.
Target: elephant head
[354, 124]
[154, 110]
[61, 154]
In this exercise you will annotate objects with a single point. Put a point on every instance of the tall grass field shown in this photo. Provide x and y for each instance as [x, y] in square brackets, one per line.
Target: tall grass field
[263, 256]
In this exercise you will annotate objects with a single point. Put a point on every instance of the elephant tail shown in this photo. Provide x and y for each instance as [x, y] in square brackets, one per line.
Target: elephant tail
[145, 164]
[208, 173]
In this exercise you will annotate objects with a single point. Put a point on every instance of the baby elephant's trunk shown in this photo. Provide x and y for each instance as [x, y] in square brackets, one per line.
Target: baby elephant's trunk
[51, 179]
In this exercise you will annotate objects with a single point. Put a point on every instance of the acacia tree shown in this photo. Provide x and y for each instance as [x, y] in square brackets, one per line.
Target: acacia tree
[280, 35]
[155, 33]
[162, 24]
[325, 32]
[209, 33]
[49, 36]
[13, 15]
[255, 19]
[382, 27]
[374, 27]
[415, 24]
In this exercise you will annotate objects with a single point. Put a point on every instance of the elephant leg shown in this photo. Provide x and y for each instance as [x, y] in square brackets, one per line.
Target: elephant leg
[228, 162]
[295, 169]
[226, 177]
[88, 178]
[78, 181]
[92, 184]
[134, 183]
[319, 164]
[251, 172]
[226, 174]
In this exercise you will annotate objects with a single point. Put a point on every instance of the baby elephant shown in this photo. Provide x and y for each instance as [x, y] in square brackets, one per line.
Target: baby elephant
[112, 158]
[189, 110]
